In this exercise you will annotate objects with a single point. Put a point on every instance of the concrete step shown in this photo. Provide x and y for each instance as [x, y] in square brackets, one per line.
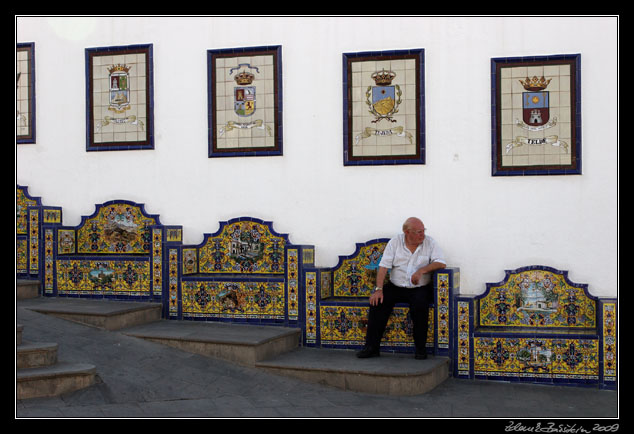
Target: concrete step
[389, 374]
[238, 343]
[100, 313]
[272, 348]
[277, 350]
[40, 374]
[25, 289]
[35, 355]
[62, 377]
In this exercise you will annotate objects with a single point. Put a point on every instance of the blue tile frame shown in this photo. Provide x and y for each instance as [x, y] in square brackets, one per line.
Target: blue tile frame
[348, 159]
[30, 48]
[574, 60]
[212, 55]
[148, 143]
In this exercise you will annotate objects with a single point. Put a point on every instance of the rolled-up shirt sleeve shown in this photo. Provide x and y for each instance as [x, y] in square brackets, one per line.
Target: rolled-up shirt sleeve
[388, 255]
[436, 254]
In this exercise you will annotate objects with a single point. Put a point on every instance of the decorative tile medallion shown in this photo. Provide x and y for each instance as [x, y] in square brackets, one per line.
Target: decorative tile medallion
[536, 111]
[119, 98]
[245, 101]
[384, 107]
[116, 228]
[243, 246]
[537, 298]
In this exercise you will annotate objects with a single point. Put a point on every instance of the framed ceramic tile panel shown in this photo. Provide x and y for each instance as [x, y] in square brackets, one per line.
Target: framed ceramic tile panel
[536, 115]
[119, 98]
[25, 93]
[245, 101]
[384, 107]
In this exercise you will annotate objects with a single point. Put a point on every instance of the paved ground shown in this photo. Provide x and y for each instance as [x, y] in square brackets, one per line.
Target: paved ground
[141, 379]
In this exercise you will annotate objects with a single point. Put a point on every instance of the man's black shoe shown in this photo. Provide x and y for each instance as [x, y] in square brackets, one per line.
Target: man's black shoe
[420, 356]
[366, 353]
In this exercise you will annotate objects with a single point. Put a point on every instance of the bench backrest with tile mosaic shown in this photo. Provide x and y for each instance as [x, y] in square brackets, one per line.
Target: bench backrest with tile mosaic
[244, 272]
[339, 313]
[537, 325]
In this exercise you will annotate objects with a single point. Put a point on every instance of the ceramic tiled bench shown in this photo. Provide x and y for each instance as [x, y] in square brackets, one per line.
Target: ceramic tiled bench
[114, 253]
[245, 272]
[536, 326]
[337, 315]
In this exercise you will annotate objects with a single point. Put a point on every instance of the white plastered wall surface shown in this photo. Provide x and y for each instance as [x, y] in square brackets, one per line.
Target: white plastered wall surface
[484, 224]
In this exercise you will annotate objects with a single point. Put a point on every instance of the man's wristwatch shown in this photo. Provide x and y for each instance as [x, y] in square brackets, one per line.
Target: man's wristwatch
[376, 288]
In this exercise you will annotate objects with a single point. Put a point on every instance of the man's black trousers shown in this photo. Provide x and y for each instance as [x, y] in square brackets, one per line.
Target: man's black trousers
[418, 300]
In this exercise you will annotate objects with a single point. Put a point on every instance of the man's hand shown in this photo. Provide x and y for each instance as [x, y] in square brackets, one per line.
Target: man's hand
[417, 276]
[376, 297]
[426, 269]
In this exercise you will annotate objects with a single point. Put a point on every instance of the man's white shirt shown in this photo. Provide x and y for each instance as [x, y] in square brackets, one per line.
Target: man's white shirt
[403, 263]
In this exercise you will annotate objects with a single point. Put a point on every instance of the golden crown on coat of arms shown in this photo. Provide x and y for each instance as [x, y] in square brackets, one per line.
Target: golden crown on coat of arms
[535, 83]
[383, 77]
[119, 68]
[244, 78]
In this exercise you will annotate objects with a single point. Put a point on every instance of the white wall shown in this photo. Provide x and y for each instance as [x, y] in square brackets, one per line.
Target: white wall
[485, 224]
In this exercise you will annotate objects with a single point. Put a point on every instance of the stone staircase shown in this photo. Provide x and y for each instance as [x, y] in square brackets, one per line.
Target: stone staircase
[39, 373]
[271, 348]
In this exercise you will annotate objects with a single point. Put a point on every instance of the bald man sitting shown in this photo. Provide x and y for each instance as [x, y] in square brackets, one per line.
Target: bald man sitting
[411, 257]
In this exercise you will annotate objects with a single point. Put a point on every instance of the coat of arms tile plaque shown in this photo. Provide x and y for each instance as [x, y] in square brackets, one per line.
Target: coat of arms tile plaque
[119, 98]
[384, 107]
[245, 101]
[536, 115]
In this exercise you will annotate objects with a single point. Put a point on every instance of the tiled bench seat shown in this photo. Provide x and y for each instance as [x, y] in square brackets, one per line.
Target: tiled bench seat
[114, 253]
[338, 315]
[536, 326]
[245, 272]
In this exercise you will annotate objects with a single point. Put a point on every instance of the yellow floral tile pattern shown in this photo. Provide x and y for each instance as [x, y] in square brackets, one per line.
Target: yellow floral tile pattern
[93, 277]
[262, 300]
[347, 325]
[536, 357]
[356, 277]
[21, 204]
